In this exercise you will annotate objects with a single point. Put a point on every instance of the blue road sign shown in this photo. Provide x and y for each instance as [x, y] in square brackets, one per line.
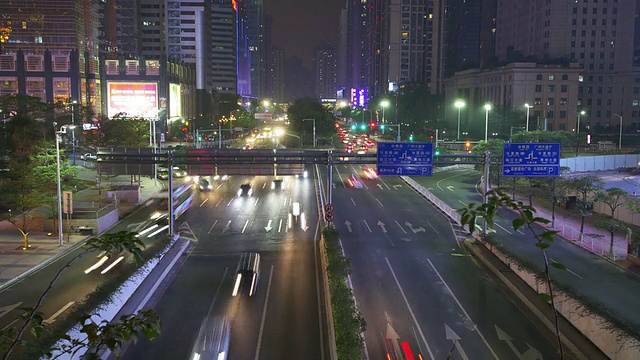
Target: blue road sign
[410, 159]
[531, 159]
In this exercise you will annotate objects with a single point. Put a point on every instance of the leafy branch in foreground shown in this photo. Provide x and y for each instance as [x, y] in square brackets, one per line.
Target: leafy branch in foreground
[497, 199]
[105, 335]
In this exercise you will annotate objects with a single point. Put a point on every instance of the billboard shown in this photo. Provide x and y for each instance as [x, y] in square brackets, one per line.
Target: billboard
[175, 107]
[359, 97]
[134, 98]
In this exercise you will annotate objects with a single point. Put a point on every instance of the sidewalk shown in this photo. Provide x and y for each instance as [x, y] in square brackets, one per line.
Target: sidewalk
[16, 263]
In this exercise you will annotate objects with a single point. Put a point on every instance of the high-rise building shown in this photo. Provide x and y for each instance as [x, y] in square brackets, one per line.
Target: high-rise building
[243, 56]
[297, 80]
[268, 84]
[50, 50]
[463, 35]
[277, 74]
[256, 45]
[152, 29]
[324, 62]
[224, 76]
[120, 28]
[356, 45]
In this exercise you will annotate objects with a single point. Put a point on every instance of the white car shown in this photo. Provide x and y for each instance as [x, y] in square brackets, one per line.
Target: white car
[88, 156]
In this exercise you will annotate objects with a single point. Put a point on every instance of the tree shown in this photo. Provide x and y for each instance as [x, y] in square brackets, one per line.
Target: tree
[565, 138]
[497, 199]
[586, 188]
[612, 226]
[99, 336]
[123, 131]
[311, 109]
[614, 198]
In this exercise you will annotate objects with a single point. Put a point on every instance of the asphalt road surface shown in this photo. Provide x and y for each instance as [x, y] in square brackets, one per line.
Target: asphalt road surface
[415, 283]
[284, 319]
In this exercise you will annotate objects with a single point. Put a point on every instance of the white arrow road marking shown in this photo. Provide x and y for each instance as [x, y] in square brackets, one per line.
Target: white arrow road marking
[397, 186]
[530, 354]
[348, 225]
[475, 327]
[280, 226]
[334, 185]
[303, 223]
[416, 230]
[450, 188]
[381, 224]
[226, 228]
[214, 224]
[401, 228]
[379, 202]
[415, 321]
[58, 313]
[354, 203]
[268, 227]
[451, 335]
[367, 225]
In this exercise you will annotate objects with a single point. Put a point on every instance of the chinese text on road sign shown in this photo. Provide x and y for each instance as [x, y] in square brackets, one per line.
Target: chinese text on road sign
[405, 159]
[531, 159]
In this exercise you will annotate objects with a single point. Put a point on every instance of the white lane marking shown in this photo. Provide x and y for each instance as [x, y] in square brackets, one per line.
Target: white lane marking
[463, 203]
[401, 228]
[415, 321]
[256, 202]
[214, 224]
[285, 202]
[340, 176]
[501, 227]
[217, 292]
[354, 203]
[58, 313]
[367, 225]
[379, 202]
[264, 316]
[520, 232]
[447, 178]
[218, 187]
[385, 184]
[218, 203]
[434, 229]
[280, 226]
[9, 325]
[205, 200]
[245, 226]
[264, 185]
[571, 272]
[230, 201]
[463, 310]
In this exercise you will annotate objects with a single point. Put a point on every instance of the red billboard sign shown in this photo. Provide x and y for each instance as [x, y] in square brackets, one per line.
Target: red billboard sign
[138, 99]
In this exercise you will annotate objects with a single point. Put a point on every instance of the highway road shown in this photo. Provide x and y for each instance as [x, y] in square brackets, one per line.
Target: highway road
[284, 319]
[617, 290]
[414, 282]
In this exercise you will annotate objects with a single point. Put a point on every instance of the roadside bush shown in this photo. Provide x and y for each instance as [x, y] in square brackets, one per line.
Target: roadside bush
[347, 320]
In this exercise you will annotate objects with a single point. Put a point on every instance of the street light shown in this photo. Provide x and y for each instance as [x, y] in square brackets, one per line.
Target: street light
[487, 108]
[620, 140]
[384, 104]
[459, 104]
[578, 132]
[57, 133]
[73, 132]
[528, 107]
[314, 130]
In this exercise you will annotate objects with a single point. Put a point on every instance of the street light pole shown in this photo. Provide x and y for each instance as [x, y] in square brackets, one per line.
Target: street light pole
[487, 108]
[60, 236]
[528, 107]
[73, 130]
[459, 104]
[314, 130]
[620, 139]
[578, 133]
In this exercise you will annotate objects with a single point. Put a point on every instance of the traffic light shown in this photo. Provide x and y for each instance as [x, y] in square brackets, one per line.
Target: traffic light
[411, 137]
[437, 153]
[363, 127]
[372, 124]
[184, 129]
[382, 126]
[353, 127]
[200, 138]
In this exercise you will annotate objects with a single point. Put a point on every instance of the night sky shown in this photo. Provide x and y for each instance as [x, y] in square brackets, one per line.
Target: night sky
[300, 25]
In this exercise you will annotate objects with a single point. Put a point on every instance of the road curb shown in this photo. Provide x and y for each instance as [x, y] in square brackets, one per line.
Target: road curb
[571, 337]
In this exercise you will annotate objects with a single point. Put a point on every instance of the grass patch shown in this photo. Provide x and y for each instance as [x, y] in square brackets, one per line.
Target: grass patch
[347, 320]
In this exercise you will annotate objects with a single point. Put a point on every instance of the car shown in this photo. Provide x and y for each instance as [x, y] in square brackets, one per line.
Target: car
[246, 147]
[204, 185]
[354, 182]
[213, 339]
[245, 190]
[88, 156]
[370, 173]
[248, 272]
[179, 173]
